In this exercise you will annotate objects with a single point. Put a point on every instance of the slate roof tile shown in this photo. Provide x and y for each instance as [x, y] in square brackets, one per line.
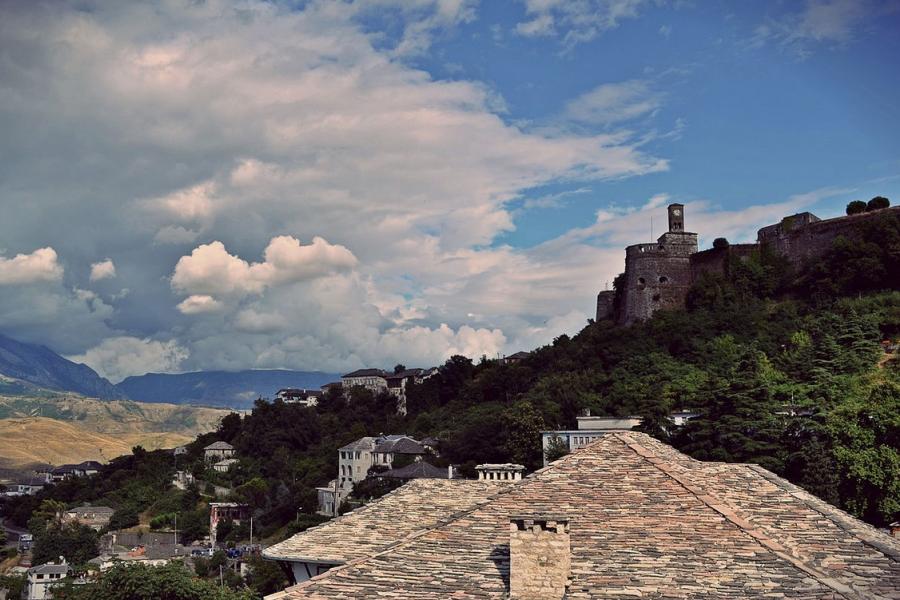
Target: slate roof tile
[645, 521]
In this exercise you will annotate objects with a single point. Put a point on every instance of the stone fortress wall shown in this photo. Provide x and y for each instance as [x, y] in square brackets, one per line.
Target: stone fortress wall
[658, 276]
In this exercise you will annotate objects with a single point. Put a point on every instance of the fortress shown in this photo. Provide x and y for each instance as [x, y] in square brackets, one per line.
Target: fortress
[659, 275]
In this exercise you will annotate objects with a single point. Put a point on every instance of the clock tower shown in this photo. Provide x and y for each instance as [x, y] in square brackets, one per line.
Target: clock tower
[676, 217]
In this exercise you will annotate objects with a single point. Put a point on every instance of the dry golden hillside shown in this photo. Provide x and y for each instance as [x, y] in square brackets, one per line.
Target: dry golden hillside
[65, 428]
[43, 440]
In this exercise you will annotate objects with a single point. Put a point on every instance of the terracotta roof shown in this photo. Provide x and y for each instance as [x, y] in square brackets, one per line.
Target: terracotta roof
[645, 521]
[417, 505]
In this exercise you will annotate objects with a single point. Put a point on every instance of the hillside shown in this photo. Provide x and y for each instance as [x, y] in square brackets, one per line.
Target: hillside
[237, 389]
[23, 364]
[42, 440]
[60, 428]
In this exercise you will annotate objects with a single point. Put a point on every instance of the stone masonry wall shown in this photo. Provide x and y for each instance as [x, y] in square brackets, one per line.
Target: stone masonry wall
[800, 242]
[657, 276]
[539, 558]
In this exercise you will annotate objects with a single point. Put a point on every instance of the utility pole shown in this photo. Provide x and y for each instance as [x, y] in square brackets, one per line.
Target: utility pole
[221, 578]
[251, 530]
[176, 529]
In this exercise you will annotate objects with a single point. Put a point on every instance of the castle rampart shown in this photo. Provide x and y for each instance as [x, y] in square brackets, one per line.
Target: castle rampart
[659, 275]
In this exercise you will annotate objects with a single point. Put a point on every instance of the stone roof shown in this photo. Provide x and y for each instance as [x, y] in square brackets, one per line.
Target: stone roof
[417, 505]
[219, 446]
[417, 470]
[365, 373]
[50, 568]
[400, 445]
[645, 521]
[363, 443]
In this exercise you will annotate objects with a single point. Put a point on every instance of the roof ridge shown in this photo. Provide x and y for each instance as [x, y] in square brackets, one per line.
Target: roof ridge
[730, 514]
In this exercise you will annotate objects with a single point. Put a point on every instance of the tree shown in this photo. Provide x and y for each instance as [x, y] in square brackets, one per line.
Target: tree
[265, 577]
[877, 203]
[399, 368]
[140, 582]
[13, 585]
[719, 243]
[556, 449]
[856, 207]
[76, 542]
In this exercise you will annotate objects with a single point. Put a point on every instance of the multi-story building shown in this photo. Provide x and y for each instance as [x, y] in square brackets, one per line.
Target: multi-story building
[95, 517]
[40, 580]
[374, 380]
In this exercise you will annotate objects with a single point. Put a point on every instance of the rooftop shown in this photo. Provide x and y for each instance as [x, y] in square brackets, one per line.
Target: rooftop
[645, 521]
[417, 470]
[365, 373]
[219, 446]
[84, 510]
[417, 505]
[400, 445]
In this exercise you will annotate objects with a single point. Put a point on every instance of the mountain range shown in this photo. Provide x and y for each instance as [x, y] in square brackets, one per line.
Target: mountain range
[28, 369]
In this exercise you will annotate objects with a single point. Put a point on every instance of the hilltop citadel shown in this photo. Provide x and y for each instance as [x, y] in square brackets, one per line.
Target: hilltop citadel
[659, 275]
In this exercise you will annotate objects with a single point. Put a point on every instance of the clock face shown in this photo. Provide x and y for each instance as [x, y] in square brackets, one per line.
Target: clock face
[676, 212]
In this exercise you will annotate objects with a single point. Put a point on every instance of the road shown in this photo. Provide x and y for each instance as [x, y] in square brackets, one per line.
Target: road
[12, 534]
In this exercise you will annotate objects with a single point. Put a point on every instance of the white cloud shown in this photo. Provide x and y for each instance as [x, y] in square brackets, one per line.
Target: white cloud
[198, 304]
[614, 102]
[105, 269]
[210, 269]
[821, 22]
[261, 125]
[119, 357]
[40, 265]
[576, 22]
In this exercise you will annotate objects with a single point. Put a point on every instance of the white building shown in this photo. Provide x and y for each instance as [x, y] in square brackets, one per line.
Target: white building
[373, 380]
[223, 466]
[40, 579]
[327, 496]
[589, 430]
[218, 451]
[356, 459]
[304, 397]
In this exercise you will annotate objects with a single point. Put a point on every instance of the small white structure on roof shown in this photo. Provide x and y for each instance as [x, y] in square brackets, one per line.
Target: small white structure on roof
[500, 472]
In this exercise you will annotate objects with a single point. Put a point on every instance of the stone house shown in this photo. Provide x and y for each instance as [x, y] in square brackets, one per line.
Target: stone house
[223, 466]
[374, 380]
[625, 517]
[95, 517]
[40, 580]
[225, 510]
[218, 451]
[304, 397]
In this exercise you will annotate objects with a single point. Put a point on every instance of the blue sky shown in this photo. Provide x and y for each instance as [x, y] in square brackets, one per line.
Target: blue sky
[331, 185]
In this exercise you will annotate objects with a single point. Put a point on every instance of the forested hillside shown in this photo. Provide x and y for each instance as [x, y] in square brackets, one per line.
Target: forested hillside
[795, 370]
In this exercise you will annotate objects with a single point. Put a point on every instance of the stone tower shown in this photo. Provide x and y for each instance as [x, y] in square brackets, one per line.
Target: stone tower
[658, 275]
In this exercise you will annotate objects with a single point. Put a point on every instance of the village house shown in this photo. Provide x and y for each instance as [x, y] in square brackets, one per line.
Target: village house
[22, 488]
[95, 517]
[40, 580]
[223, 466]
[514, 358]
[218, 451]
[225, 510]
[304, 397]
[624, 517]
[374, 380]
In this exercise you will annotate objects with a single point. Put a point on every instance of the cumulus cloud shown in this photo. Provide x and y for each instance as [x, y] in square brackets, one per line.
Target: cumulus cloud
[219, 131]
[40, 265]
[105, 269]
[198, 304]
[210, 269]
[119, 357]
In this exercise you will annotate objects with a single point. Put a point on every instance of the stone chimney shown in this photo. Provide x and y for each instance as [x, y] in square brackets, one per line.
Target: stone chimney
[539, 557]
